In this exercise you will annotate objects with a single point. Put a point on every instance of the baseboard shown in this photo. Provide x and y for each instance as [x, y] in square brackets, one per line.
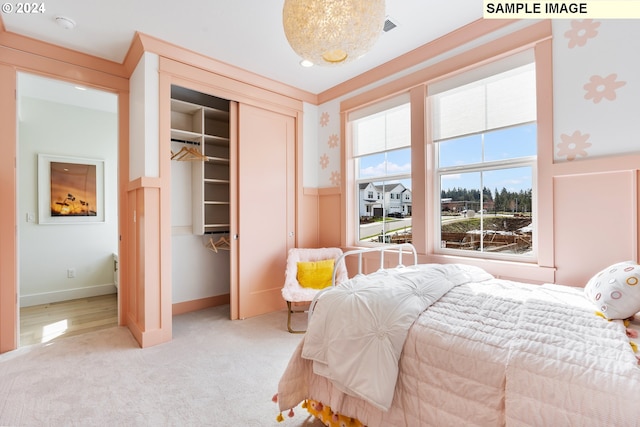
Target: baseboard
[67, 295]
[200, 304]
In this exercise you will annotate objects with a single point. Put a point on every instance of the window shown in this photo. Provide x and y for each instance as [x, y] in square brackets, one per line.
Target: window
[483, 125]
[381, 141]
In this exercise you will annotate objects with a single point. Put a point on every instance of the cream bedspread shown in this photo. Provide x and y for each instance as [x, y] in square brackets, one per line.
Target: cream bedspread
[496, 353]
[360, 326]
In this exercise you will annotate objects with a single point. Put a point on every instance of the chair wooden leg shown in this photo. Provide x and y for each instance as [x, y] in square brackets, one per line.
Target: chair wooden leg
[289, 313]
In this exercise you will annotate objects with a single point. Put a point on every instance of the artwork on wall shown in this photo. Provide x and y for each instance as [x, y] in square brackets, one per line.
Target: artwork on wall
[70, 190]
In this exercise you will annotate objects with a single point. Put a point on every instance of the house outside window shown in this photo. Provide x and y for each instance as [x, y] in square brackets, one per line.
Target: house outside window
[381, 141]
[483, 126]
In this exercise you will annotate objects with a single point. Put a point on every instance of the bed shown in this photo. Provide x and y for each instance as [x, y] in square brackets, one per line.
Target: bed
[449, 344]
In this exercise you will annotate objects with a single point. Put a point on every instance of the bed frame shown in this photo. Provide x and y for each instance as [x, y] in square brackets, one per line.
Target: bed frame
[399, 249]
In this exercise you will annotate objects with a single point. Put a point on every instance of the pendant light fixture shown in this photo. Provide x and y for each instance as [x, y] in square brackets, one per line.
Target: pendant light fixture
[329, 32]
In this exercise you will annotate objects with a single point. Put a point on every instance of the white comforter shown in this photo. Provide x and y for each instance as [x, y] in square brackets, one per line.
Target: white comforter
[496, 353]
[570, 367]
[358, 329]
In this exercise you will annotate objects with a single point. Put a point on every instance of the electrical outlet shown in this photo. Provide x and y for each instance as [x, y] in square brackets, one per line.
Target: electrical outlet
[71, 273]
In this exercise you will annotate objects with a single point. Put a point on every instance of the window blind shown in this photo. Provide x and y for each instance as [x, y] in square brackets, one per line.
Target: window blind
[382, 131]
[504, 95]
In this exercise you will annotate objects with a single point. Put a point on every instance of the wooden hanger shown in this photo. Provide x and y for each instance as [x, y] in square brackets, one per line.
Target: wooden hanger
[221, 244]
[188, 154]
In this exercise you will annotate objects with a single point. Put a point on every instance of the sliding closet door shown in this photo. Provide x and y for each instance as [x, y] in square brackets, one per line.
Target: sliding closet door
[265, 209]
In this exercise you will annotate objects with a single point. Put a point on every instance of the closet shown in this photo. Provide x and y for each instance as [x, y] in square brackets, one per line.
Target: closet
[200, 197]
[233, 193]
[200, 128]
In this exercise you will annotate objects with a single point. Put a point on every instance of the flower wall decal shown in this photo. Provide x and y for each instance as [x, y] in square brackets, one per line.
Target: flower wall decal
[333, 141]
[335, 178]
[602, 87]
[324, 119]
[594, 91]
[573, 145]
[581, 31]
[324, 161]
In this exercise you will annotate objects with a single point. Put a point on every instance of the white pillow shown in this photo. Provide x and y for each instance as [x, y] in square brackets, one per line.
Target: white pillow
[615, 291]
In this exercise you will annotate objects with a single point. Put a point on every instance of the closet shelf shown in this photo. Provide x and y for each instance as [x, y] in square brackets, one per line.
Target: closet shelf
[216, 228]
[216, 140]
[185, 135]
[218, 160]
[207, 126]
[215, 114]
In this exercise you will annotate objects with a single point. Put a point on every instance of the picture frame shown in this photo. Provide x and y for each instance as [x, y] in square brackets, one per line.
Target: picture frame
[70, 190]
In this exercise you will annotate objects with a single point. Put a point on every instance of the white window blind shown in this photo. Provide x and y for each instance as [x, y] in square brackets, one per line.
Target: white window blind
[504, 98]
[376, 131]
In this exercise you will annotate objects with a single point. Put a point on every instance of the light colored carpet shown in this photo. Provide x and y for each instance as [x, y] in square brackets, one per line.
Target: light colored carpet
[215, 372]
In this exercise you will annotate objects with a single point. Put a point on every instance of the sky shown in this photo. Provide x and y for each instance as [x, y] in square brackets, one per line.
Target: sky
[518, 141]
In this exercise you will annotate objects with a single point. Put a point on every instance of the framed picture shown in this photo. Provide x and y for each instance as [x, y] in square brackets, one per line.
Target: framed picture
[70, 190]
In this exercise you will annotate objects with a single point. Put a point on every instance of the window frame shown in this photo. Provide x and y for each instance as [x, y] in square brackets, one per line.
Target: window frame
[528, 161]
[492, 46]
[392, 105]
[484, 72]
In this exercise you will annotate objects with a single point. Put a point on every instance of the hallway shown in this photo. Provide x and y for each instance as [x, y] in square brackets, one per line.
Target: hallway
[53, 321]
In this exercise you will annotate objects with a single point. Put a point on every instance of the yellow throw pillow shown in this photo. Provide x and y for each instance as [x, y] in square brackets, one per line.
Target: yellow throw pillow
[316, 274]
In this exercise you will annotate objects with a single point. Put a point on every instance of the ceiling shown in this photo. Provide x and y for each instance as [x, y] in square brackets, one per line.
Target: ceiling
[244, 33]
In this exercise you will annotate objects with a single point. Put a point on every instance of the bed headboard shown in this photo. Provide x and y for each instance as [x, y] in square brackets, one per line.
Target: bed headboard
[401, 249]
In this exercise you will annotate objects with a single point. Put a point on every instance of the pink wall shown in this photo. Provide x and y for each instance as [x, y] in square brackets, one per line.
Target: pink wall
[595, 223]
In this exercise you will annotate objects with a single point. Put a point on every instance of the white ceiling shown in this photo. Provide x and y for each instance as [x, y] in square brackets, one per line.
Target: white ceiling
[244, 33]
[43, 88]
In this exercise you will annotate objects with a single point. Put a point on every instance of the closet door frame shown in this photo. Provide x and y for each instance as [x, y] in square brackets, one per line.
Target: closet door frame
[200, 80]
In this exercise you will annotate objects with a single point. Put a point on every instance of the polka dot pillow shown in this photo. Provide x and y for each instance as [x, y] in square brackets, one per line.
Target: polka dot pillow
[615, 291]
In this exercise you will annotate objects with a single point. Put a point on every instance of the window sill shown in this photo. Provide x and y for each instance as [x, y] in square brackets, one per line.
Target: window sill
[508, 270]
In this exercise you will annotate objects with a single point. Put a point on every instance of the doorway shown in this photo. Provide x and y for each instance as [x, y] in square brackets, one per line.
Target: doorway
[67, 202]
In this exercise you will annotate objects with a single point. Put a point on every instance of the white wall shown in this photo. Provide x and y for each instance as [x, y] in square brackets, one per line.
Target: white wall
[310, 147]
[328, 155]
[196, 272]
[46, 251]
[587, 123]
[144, 128]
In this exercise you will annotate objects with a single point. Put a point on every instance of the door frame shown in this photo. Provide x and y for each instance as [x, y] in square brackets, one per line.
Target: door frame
[21, 54]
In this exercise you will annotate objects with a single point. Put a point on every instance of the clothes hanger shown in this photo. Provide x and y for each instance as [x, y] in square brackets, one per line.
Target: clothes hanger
[221, 244]
[188, 154]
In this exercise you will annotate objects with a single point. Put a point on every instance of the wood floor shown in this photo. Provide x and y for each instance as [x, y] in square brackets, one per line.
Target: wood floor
[53, 321]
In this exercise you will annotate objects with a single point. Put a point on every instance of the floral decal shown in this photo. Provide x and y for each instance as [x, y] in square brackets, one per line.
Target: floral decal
[581, 31]
[333, 141]
[602, 87]
[324, 119]
[573, 145]
[335, 178]
[324, 161]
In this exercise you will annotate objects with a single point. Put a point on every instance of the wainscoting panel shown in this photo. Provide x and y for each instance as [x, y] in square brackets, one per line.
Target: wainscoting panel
[595, 223]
